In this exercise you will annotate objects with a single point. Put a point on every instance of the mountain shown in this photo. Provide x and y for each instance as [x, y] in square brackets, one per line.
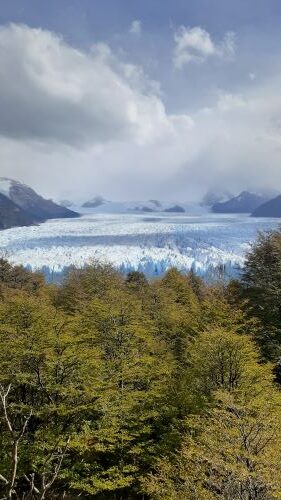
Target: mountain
[99, 204]
[97, 201]
[123, 206]
[11, 215]
[175, 209]
[213, 197]
[147, 206]
[271, 208]
[32, 203]
[245, 202]
[157, 204]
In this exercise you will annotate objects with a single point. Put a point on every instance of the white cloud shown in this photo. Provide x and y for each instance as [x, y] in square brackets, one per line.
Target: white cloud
[50, 91]
[228, 102]
[196, 45]
[58, 102]
[87, 123]
[136, 28]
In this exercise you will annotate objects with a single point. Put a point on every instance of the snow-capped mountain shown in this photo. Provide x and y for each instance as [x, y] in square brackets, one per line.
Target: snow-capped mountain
[32, 203]
[245, 202]
[22, 206]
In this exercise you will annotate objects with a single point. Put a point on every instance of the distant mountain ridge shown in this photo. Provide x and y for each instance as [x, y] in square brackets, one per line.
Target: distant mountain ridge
[20, 205]
[245, 202]
[100, 204]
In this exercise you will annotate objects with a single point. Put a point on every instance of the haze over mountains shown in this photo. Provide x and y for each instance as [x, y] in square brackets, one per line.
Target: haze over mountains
[267, 204]
[216, 196]
[20, 205]
[245, 202]
[146, 206]
[215, 201]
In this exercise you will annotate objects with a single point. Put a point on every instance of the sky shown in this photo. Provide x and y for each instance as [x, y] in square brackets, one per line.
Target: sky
[146, 99]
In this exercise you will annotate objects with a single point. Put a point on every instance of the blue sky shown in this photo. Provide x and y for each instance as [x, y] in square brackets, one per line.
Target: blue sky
[106, 16]
[171, 97]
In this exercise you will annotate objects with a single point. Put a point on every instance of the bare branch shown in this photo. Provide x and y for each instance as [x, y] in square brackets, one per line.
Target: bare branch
[3, 479]
[23, 429]
[3, 395]
[31, 483]
[16, 437]
[56, 471]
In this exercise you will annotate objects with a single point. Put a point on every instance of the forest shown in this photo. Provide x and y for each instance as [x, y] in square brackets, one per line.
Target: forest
[118, 387]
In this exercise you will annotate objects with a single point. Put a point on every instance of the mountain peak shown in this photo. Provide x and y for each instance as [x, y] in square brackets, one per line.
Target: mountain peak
[245, 202]
[21, 205]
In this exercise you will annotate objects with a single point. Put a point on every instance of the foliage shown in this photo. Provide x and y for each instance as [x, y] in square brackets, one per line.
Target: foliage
[261, 291]
[231, 450]
[117, 387]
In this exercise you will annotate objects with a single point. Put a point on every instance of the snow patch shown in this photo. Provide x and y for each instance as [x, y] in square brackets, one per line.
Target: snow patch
[5, 186]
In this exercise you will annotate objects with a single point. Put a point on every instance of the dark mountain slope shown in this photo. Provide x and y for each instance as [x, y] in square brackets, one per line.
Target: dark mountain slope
[11, 215]
[36, 205]
[245, 202]
[271, 208]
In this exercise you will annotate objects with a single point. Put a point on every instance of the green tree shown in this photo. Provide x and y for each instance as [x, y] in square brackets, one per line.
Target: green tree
[135, 373]
[81, 285]
[49, 376]
[231, 450]
[232, 453]
[261, 289]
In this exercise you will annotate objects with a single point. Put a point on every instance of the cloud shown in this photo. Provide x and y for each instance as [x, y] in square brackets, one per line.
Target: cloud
[50, 91]
[76, 123]
[240, 141]
[228, 102]
[136, 28]
[58, 102]
[196, 45]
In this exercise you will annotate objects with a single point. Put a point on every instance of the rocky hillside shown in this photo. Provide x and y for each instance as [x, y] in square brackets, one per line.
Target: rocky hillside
[34, 204]
[22, 206]
[11, 215]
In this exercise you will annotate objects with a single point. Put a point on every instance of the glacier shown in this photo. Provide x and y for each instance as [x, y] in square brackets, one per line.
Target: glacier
[151, 243]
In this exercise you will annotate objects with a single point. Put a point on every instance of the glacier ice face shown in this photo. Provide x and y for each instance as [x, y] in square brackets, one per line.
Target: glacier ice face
[151, 243]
